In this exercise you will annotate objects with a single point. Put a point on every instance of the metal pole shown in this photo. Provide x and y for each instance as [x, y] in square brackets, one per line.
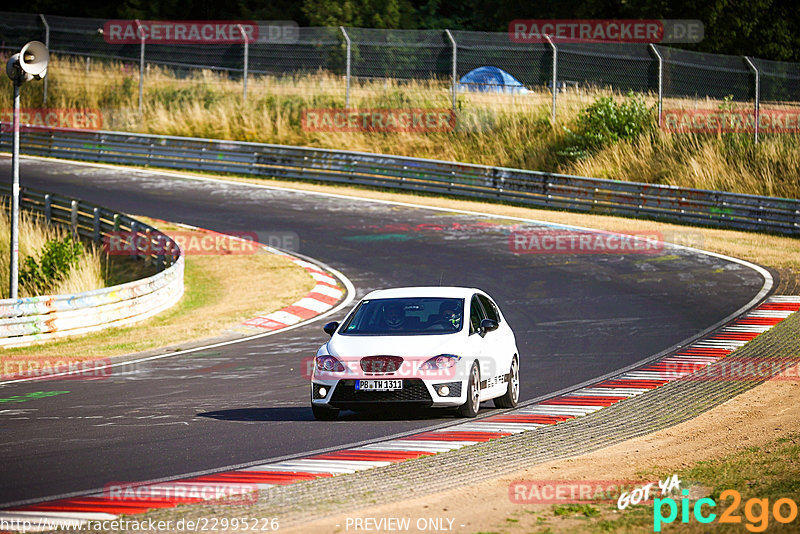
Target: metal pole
[246, 52]
[141, 64]
[347, 67]
[555, 75]
[455, 64]
[14, 269]
[660, 82]
[47, 44]
[758, 95]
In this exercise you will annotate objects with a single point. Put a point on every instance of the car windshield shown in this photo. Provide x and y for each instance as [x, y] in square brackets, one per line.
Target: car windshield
[406, 316]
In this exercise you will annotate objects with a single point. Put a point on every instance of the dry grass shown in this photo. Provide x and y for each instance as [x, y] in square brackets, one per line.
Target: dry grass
[505, 130]
[722, 162]
[87, 274]
[221, 291]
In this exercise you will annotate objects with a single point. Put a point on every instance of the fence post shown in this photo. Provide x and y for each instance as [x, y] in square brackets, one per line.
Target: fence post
[246, 53]
[347, 70]
[141, 64]
[758, 96]
[555, 75]
[660, 81]
[455, 67]
[47, 44]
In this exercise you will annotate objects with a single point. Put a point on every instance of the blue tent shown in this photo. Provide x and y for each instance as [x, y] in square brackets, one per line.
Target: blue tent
[490, 80]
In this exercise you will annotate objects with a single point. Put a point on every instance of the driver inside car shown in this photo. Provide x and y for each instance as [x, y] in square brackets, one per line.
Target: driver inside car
[394, 316]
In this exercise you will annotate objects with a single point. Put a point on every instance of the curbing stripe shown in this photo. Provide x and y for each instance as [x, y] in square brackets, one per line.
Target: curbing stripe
[325, 294]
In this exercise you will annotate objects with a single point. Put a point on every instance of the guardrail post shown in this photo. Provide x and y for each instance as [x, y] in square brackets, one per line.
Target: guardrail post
[141, 64]
[455, 67]
[96, 225]
[758, 91]
[161, 258]
[73, 217]
[48, 207]
[246, 53]
[134, 251]
[660, 81]
[347, 70]
[555, 75]
[47, 44]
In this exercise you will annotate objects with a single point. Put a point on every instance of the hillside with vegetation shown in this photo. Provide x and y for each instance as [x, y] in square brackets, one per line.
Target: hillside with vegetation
[598, 133]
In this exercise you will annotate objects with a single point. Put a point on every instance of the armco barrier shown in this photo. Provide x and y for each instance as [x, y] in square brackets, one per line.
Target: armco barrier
[26, 320]
[532, 188]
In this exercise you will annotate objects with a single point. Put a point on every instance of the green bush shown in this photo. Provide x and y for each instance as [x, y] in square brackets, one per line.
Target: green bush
[58, 257]
[606, 122]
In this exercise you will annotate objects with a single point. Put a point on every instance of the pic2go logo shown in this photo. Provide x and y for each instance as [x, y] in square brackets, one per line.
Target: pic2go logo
[756, 511]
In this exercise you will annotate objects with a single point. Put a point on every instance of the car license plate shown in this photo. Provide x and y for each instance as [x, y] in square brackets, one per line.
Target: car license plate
[379, 385]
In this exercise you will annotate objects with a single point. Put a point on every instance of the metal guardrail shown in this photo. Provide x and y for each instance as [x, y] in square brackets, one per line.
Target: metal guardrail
[530, 188]
[26, 320]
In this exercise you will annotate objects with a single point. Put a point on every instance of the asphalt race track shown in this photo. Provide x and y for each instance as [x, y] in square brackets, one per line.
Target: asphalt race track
[575, 317]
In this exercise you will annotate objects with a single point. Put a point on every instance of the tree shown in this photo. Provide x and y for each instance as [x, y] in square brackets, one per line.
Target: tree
[383, 14]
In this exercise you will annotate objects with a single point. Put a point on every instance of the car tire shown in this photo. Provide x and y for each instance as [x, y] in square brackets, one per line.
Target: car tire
[511, 396]
[473, 404]
[323, 413]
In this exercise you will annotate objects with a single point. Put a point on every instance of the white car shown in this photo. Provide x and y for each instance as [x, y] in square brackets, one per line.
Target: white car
[422, 346]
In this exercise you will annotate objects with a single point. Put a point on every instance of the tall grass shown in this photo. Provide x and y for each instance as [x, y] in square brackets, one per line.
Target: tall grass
[505, 130]
[88, 273]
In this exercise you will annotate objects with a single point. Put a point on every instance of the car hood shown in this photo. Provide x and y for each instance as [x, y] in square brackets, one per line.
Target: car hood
[406, 346]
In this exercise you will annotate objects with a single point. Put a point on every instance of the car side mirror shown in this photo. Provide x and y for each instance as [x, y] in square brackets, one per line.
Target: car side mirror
[331, 327]
[488, 325]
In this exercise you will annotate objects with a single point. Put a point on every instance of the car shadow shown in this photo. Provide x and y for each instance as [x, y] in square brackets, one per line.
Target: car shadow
[280, 413]
[303, 413]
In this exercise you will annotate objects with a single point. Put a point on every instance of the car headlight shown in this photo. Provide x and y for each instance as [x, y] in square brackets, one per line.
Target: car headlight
[442, 361]
[328, 364]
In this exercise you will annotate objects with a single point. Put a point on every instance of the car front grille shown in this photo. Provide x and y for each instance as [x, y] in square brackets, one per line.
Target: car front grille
[414, 391]
[381, 364]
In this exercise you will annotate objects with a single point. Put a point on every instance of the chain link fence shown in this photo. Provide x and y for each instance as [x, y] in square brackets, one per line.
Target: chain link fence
[566, 74]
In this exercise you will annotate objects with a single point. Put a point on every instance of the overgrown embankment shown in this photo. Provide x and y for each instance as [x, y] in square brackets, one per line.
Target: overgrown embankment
[599, 134]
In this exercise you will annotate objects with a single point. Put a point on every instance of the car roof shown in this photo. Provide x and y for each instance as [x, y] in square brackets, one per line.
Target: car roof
[423, 291]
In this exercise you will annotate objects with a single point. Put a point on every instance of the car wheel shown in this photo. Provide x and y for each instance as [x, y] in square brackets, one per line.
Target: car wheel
[322, 413]
[511, 396]
[473, 404]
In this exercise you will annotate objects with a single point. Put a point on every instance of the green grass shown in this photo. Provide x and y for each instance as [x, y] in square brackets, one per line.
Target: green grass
[585, 510]
[770, 472]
